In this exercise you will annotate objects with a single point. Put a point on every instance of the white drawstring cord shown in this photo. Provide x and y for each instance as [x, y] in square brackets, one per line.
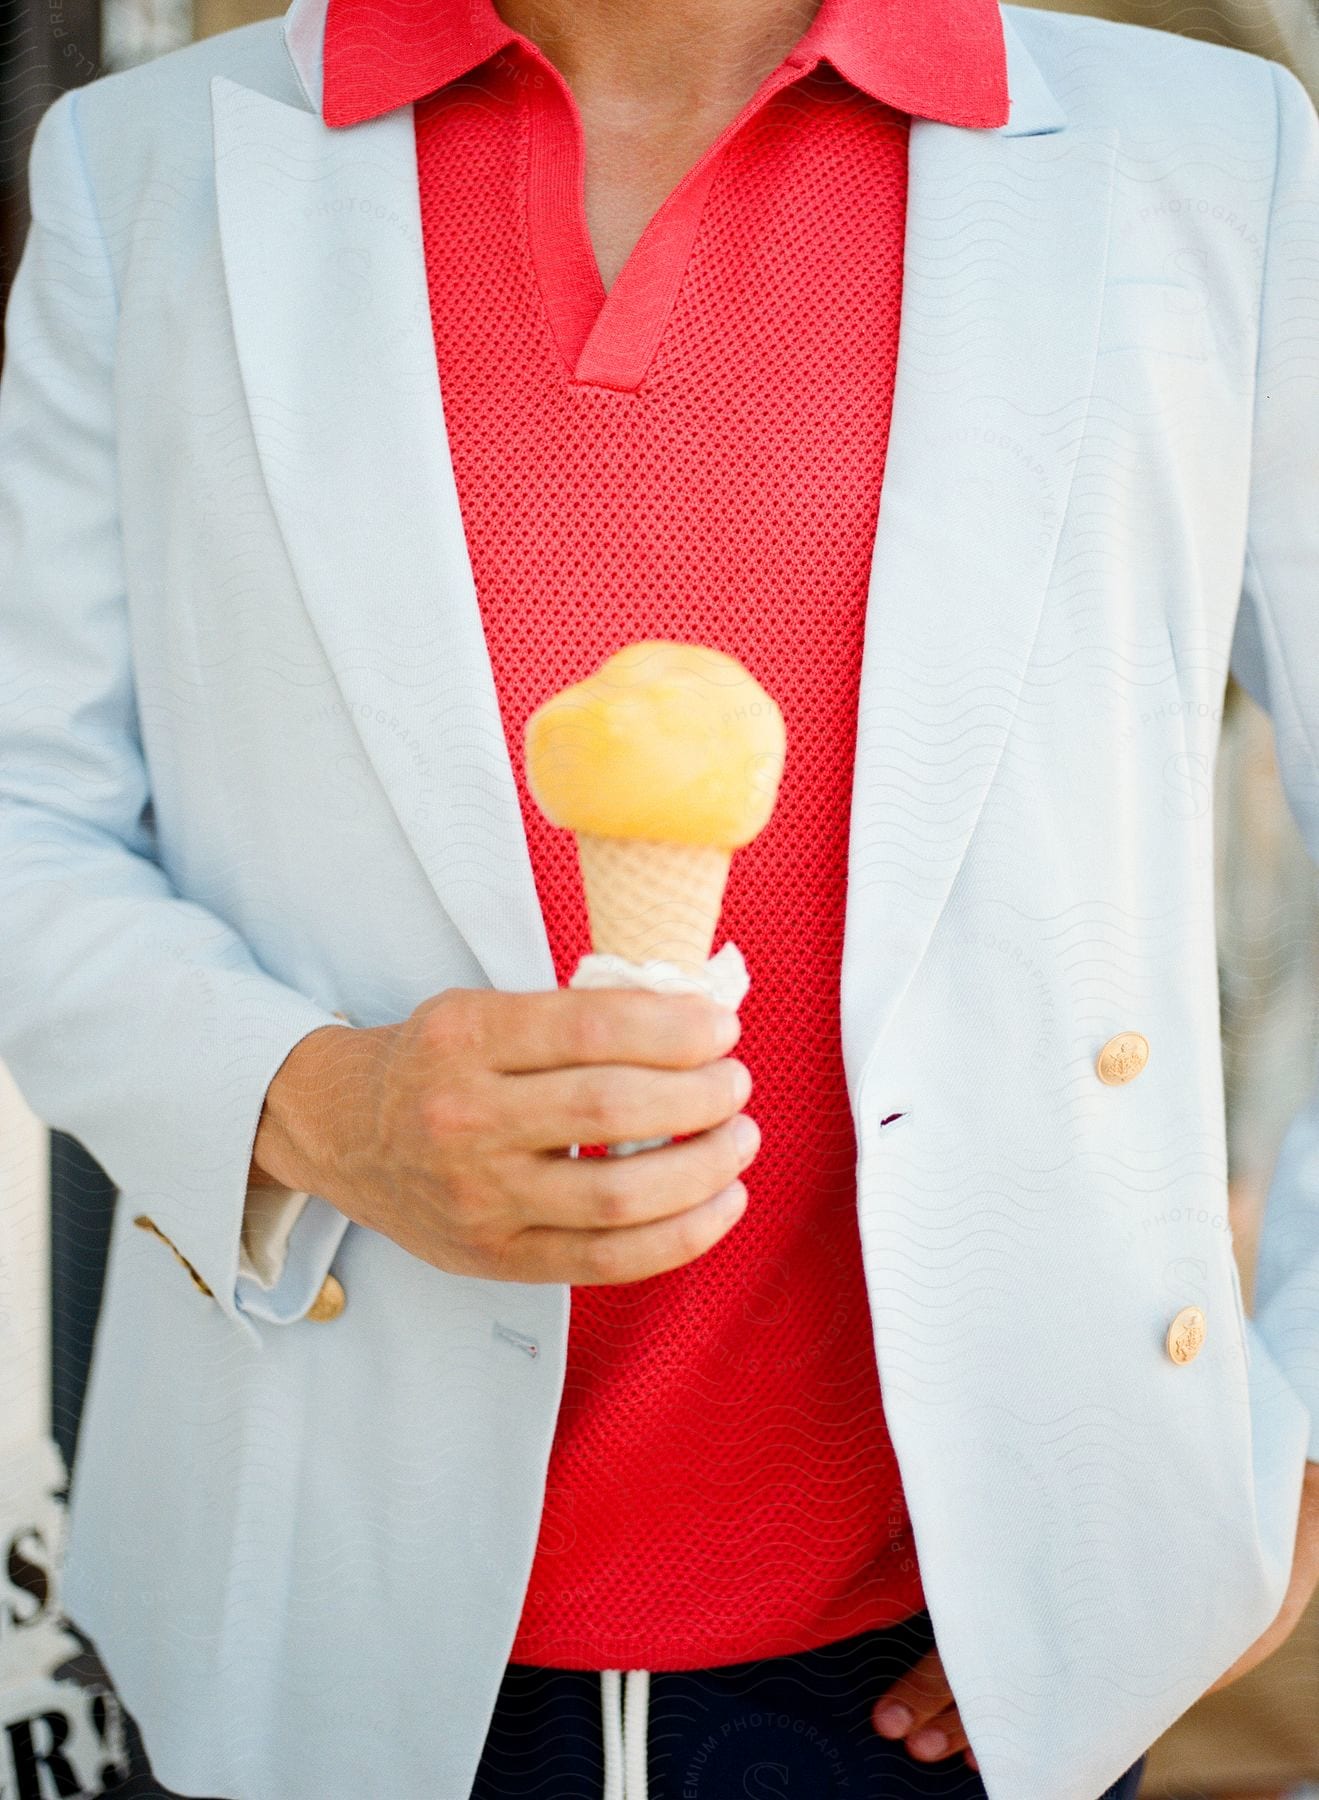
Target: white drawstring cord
[635, 1719]
[611, 1708]
[625, 1731]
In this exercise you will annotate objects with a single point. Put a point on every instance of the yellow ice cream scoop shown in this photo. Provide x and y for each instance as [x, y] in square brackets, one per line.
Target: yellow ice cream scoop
[663, 762]
[672, 742]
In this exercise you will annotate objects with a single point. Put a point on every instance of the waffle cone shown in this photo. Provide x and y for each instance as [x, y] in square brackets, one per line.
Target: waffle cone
[648, 900]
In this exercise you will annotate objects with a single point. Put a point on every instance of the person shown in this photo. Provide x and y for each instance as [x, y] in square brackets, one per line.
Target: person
[374, 372]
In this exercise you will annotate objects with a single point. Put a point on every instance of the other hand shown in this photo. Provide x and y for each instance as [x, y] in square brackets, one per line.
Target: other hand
[930, 1725]
[449, 1131]
[919, 1708]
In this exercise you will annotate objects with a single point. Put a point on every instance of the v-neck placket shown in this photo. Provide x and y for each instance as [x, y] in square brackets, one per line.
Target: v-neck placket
[608, 337]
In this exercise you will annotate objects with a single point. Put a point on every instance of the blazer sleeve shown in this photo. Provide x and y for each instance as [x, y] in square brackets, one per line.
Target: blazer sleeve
[131, 1017]
[1275, 657]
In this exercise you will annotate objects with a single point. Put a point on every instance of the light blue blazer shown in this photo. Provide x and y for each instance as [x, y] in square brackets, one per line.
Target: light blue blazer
[252, 775]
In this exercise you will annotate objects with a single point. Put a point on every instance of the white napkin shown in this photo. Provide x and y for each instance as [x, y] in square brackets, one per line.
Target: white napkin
[724, 979]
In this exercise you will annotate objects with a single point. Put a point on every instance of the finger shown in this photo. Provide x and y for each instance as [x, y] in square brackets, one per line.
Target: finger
[938, 1737]
[913, 1698]
[613, 1103]
[588, 1193]
[630, 1253]
[569, 1026]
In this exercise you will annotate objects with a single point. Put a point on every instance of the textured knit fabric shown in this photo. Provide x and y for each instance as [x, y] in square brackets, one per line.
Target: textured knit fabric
[697, 455]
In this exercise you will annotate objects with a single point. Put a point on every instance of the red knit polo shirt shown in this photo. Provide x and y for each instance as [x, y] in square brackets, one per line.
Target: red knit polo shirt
[695, 455]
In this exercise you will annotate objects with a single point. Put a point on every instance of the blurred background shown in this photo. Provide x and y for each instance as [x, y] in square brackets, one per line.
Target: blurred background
[1257, 1740]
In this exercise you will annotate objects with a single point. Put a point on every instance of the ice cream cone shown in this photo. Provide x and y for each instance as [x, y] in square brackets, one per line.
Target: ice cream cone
[649, 902]
[662, 763]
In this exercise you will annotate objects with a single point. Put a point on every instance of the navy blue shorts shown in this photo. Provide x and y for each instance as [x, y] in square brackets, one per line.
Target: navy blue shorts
[787, 1728]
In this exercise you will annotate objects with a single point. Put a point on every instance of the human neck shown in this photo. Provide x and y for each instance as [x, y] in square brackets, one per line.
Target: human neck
[661, 58]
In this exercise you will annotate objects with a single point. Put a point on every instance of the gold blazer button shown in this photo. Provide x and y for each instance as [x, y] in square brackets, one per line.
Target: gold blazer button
[330, 1302]
[1122, 1057]
[1186, 1334]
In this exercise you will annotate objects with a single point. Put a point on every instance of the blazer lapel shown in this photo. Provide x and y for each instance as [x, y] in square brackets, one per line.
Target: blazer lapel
[325, 272]
[1004, 273]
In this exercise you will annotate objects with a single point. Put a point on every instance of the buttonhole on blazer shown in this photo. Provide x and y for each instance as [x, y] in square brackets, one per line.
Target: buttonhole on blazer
[519, 1338]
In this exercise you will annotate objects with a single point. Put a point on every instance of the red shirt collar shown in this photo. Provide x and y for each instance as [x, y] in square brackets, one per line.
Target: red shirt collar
[937, 59]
